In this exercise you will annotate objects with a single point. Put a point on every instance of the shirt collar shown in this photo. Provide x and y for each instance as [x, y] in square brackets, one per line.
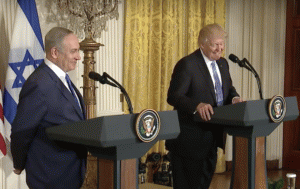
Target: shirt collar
[207, 61]
[57, 70]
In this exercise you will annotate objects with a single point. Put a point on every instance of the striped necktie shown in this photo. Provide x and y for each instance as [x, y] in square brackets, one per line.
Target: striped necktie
[218, 86]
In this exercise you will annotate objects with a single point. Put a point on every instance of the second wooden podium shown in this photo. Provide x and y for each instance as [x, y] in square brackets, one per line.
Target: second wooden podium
[249, 123]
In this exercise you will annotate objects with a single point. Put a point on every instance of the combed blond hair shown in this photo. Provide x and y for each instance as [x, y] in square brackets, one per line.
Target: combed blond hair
[209, 32]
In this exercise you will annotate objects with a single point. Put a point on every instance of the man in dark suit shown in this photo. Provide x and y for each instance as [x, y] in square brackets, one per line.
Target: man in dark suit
[200, 81]
[48, 98]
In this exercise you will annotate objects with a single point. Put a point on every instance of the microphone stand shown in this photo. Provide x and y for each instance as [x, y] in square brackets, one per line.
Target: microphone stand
[122, 90]
[243, 65]
[250, 68]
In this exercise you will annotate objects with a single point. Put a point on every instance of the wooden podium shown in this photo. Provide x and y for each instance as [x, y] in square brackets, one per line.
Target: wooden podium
[249, 124]
[114, 138]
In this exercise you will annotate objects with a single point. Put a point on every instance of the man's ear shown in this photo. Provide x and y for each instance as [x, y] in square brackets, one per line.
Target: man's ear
[54, 52]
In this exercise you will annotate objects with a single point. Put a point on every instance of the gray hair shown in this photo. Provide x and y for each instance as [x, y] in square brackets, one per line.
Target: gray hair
[55, 37]
[209, 32]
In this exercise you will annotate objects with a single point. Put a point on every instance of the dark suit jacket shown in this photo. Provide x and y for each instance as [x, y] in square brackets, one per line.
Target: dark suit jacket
[191, 84]
[45, 102]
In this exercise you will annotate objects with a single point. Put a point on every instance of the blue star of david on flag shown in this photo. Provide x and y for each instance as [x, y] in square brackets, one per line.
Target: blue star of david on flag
[19, 68]
[25, 55]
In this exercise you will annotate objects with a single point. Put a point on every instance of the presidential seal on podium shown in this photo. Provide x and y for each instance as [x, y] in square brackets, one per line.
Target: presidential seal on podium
[147, 125]
[277, 108]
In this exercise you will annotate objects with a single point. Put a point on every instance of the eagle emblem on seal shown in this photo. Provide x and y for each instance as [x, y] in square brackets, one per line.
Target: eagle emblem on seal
[147, 125]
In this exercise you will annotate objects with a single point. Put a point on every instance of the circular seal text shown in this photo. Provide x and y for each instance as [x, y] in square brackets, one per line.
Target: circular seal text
[277, 108]
[147, 125]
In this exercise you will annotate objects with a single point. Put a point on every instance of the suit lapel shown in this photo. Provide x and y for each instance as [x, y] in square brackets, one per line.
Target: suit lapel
[206, 75]
[65, 92]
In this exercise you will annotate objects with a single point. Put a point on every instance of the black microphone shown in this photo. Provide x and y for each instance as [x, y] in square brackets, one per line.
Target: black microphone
[234, 58]
[105, 75]
[103, 80]
[245, 63]
[241, 63]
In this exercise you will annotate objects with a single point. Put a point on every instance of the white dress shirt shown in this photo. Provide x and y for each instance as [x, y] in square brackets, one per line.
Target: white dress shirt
[60, 74]
[208, 64]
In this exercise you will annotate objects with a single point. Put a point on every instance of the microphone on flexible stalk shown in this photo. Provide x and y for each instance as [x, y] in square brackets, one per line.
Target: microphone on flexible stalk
[103, 80]
[106, 75]
[245, 64]
[241, 63]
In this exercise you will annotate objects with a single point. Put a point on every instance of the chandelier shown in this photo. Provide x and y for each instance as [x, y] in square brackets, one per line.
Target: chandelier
[87, 18]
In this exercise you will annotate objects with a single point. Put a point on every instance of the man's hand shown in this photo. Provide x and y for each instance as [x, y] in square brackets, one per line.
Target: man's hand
[205, 111]
[18, 171]
[237, 100]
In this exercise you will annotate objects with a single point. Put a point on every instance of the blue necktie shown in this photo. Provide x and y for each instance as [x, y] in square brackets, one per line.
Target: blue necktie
[72, 90]
[218, 87]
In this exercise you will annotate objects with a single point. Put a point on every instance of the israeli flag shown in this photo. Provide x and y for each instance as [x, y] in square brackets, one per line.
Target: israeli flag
[26, 54]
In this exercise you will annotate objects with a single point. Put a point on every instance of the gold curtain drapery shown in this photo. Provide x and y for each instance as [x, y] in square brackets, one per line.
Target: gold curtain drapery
[158, 33]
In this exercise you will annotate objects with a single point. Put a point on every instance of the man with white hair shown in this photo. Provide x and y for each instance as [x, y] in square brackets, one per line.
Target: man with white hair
[200, 81]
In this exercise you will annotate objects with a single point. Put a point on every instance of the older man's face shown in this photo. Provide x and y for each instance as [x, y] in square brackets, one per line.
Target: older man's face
[213, 48]
[68, 57]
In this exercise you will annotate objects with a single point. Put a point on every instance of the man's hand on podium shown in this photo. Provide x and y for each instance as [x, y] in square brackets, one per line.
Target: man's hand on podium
[205, 111]
[237, 99]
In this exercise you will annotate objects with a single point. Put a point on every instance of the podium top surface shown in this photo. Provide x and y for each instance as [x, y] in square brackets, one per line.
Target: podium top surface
[250, 113]
[111, 131]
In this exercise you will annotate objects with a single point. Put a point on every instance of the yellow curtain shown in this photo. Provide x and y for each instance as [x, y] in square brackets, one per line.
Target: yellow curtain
[157, 34]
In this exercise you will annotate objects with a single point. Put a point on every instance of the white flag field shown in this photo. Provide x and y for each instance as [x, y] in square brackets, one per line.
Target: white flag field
[26, 54]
